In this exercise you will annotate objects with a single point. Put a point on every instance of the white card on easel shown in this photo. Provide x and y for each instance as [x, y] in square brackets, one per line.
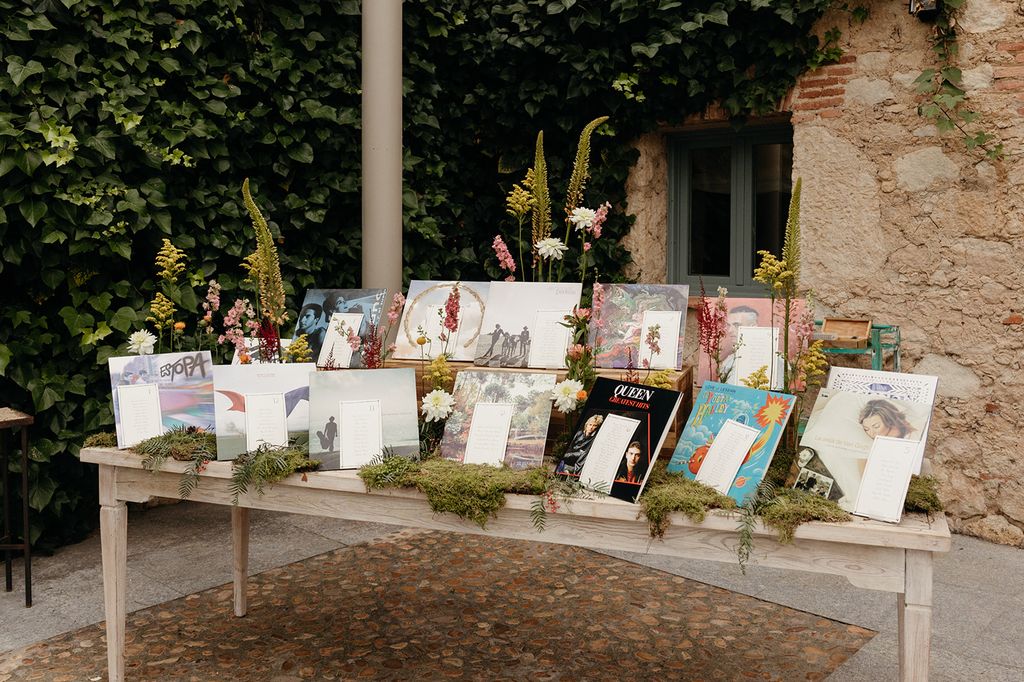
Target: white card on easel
[668, 322]
[488, 433]
[336, 345]
[361, 432]
[757, 347]
[883, 487]
[550, 340]
[138, 407]
[607, 450]
[726, 454]
[266, 421]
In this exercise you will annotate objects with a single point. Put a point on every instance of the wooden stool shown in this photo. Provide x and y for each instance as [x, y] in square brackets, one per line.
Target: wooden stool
[10, 419]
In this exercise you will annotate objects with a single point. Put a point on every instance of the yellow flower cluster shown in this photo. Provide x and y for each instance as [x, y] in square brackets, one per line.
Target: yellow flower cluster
[774, 273]
[439, 373]
[297, 351]
[519, 202]
[171, 262]
[661, 378]
[161, 312]
[814, 365]
[758, 379]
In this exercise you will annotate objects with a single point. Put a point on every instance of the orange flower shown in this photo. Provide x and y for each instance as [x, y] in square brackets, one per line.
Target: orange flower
[244, 358]
[421, 340]
[581, 396]
[179, 326]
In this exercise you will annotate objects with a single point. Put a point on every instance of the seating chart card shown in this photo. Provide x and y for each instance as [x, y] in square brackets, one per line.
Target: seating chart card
[668, 322]
[252, 347]
[604, 456]
[726, 454]
[139, 408]
[266, 421]
[362, 433]
[757, 347]
[883, 488]
[336, 346]
[488, 433]
[550, 340]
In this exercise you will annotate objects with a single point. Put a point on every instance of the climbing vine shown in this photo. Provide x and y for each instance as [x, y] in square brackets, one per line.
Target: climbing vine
[945, 100]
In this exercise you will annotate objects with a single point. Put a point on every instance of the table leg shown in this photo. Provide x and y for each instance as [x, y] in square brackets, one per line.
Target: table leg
[915, 617]
[114, 541]
[240, 546]
[8, 575]
[26, 531]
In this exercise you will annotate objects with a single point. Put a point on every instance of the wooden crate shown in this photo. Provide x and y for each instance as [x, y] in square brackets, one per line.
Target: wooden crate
[682, 382]
[848, 333]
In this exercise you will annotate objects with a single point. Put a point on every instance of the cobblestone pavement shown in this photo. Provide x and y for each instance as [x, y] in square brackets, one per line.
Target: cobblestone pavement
[428, 605]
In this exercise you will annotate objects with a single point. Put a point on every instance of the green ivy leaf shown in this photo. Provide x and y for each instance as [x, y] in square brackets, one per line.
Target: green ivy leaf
[19, 71]
[32, 210]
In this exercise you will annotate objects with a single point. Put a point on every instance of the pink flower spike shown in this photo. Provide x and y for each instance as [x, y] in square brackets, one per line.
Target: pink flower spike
[505, 260]
[586, 246]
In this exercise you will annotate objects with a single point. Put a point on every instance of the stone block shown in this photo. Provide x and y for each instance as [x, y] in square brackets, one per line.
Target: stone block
[981, 16]
[955, 380]
[925, 168]
[997, 529]
[869, 91]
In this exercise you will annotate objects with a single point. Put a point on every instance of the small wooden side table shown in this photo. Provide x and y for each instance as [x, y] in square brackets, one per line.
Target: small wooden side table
[9, 419]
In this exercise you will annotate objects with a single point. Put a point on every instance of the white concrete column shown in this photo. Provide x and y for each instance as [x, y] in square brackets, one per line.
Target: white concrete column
[382, 144]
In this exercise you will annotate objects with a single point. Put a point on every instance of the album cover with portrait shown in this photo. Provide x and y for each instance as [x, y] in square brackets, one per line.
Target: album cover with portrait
[182, 391]
[839, 435]
[620, 432]
[424, 315]
[320, 305]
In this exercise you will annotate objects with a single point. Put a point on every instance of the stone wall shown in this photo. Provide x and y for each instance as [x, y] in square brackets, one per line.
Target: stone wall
[906, 226]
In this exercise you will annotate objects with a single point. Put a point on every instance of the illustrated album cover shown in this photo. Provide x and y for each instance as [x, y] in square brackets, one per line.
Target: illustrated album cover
[766, 411]
[618, 436]
[499, 417]
[424, 313]
[356, 415]
[622, 316]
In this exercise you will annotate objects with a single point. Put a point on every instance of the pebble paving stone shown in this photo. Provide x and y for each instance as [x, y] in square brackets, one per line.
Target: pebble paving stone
[419, 605]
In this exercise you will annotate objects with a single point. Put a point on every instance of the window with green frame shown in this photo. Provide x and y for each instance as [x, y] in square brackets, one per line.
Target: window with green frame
[728, 199]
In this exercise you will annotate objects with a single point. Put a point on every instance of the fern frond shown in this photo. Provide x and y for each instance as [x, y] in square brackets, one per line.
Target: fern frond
[539, 515]
[581, 167]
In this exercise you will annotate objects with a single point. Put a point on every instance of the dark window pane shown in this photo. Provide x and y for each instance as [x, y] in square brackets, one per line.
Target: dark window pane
[773, 186]
[710, 189]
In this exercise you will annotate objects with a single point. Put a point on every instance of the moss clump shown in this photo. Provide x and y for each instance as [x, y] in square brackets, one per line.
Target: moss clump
[666, 493]
[923, 495]
[182, 444]
[389, 472]
[788, 508]
[470, 491]
[101, 439]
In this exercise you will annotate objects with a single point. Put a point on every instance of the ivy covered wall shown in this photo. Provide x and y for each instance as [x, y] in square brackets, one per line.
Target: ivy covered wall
[124, 122]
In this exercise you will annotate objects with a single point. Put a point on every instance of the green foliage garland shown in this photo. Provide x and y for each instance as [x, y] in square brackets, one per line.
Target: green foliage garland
[124, 122]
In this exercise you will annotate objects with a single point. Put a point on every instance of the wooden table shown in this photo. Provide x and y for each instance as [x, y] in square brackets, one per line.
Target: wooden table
[871, 555]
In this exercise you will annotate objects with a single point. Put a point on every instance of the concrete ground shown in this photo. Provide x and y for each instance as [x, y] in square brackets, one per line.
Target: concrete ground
[177, 550]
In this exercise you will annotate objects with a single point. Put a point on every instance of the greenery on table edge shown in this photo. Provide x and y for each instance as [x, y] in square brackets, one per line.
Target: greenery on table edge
[476, 492]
